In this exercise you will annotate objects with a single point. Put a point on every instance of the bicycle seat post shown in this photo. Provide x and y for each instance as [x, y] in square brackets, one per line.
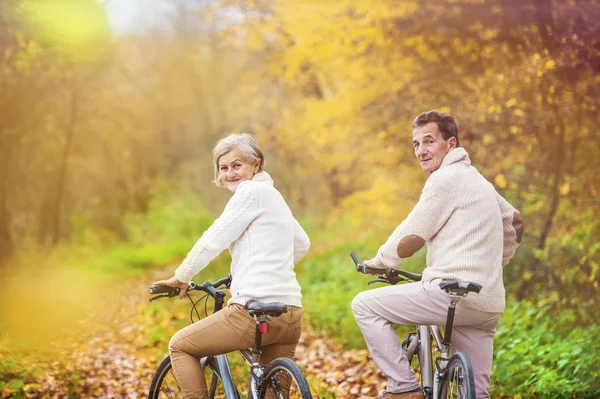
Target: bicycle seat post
[456, 291]
[261, 320]
[454, 298]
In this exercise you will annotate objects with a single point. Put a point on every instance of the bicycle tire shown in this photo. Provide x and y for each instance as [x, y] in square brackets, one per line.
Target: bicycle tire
[165, 386]
[458, 381]
[283, 369]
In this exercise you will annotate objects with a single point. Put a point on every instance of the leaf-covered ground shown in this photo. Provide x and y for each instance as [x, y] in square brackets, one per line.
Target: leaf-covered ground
[114, 352]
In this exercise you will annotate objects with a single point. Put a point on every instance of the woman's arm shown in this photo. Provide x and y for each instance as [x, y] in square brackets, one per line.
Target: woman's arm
[301, 242]
[240, 211]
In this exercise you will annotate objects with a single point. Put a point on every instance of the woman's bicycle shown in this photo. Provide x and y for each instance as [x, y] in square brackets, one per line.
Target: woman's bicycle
[281, 379]
[448, 376]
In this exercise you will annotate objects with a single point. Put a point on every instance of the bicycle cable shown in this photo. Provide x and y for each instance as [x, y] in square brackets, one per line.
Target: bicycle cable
[195, 307]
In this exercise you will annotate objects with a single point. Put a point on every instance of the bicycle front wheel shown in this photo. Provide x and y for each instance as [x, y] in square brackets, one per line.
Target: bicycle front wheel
[458, 381]
[164, 385]
[283, 379]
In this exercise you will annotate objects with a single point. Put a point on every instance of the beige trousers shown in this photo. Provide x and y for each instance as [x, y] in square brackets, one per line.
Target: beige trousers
[226, 331]
[422, 304]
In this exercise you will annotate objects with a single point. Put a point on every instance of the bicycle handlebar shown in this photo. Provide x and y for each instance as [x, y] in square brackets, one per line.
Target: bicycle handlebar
[391, 276]
[208, 287]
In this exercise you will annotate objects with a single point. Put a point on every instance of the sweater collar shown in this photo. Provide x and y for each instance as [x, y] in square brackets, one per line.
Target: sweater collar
[262, 176]
[456, 155]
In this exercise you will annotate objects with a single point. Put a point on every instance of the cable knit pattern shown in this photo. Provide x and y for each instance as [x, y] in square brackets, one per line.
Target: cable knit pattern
[265, 242]
[468, 228]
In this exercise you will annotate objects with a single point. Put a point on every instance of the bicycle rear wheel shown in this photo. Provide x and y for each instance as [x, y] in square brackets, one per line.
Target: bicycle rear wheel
[165, 386]
[458, 381]
[283, 379]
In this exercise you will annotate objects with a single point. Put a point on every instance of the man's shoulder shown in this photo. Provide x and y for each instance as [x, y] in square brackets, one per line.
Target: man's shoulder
[446, 174]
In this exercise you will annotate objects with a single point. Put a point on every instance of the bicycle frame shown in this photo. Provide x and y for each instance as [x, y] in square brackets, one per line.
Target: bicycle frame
[221, 362]
[419, 342]
[421, 345]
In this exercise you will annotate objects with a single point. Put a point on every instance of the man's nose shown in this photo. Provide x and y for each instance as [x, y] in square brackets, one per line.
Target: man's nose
[421, 150]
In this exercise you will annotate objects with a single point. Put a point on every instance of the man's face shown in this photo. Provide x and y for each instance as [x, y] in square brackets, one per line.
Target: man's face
[430, 147]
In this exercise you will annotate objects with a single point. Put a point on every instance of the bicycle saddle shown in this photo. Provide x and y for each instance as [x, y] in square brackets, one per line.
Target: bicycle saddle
[459, 288]
[272, 309]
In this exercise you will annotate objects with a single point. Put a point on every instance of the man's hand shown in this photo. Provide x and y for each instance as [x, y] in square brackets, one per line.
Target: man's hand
[374, 264]
[173, 282]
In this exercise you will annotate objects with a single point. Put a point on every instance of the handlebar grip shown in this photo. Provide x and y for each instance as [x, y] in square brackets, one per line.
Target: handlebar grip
[355, 259]
[163, 289]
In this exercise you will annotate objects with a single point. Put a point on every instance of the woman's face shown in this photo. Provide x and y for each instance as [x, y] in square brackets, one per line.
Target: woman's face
[234, 169]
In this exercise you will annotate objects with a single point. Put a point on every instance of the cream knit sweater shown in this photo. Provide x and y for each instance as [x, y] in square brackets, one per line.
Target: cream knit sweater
[470, 231]
[265, 242]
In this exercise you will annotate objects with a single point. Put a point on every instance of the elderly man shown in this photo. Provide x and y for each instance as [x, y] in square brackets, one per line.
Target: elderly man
[471, 232]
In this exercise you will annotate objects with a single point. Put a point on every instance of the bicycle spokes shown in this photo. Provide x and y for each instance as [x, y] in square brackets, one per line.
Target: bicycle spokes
[282, 386]
[456, 386]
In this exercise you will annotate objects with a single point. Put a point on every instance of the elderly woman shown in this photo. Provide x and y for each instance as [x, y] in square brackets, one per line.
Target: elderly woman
[265, 242]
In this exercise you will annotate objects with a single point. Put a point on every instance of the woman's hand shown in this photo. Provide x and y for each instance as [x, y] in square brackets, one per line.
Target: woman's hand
[173, 282]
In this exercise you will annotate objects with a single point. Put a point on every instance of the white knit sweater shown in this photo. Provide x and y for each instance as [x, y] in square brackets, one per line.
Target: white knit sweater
[265, 242]
[470, 231]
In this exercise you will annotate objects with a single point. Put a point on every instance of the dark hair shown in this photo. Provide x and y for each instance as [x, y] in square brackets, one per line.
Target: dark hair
[446, 123]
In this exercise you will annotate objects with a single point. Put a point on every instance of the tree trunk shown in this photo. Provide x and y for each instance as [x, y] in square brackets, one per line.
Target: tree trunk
[63, 171]
[6, 244]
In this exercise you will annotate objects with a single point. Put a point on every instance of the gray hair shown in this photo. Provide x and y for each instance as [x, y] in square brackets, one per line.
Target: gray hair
[245, 143]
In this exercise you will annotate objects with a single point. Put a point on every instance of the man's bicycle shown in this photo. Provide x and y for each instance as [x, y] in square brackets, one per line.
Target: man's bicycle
[281, 379]
[448, 376]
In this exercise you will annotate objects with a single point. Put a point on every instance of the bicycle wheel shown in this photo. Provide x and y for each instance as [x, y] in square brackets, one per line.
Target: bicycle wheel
[283, 379]
[458, 379]
[165, 386]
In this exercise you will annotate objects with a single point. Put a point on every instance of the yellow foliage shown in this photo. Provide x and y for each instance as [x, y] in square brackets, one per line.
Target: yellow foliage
[77, 28]
[500, 181]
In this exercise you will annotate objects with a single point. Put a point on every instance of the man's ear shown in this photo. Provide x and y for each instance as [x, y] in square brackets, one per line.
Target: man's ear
[452, 142]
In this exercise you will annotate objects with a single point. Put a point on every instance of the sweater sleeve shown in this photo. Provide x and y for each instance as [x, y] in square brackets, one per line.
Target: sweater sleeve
[301, 242]
[512, 226]
[435, 206]
[239, 212]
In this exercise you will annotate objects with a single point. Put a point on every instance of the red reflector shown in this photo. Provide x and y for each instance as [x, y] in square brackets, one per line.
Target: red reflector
[264, 328]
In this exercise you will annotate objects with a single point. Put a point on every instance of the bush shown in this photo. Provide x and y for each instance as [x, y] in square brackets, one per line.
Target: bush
[540, 353]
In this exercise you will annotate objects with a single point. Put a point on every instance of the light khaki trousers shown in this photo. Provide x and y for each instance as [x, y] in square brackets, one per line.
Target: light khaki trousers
[229, 330]
[422, 303]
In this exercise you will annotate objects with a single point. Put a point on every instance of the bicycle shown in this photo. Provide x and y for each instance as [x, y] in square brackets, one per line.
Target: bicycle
[281, 379]
[453, 377]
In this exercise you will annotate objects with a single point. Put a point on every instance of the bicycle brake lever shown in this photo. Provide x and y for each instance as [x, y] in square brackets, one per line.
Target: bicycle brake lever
[157, 297]
[393, 280]
[379, 280]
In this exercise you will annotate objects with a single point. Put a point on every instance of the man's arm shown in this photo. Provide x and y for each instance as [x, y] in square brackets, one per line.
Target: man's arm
[435, 206]
[512, 225]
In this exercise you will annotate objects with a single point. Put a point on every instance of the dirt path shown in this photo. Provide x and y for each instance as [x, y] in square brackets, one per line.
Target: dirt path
[115, 352]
